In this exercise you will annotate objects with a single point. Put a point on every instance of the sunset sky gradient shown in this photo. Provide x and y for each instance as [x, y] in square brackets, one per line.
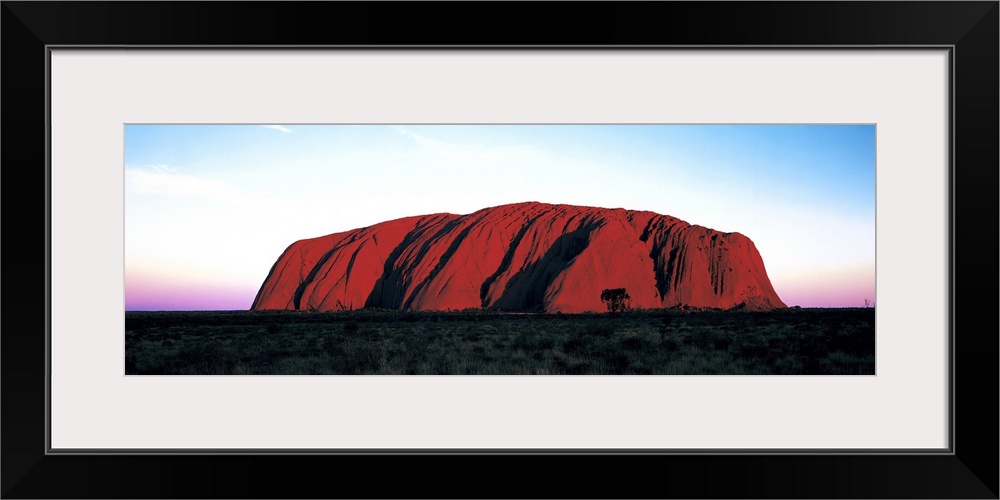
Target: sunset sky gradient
[209, 208]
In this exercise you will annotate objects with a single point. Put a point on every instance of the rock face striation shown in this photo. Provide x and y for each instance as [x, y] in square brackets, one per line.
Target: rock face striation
[530, 257]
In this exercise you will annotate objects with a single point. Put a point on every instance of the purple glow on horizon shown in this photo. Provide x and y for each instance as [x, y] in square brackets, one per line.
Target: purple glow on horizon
[158, 295]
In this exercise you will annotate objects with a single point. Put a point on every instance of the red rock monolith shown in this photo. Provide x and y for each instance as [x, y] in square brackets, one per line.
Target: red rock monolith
[529, 257]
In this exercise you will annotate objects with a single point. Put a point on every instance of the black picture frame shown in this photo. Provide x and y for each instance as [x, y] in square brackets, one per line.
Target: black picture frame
[970, 29]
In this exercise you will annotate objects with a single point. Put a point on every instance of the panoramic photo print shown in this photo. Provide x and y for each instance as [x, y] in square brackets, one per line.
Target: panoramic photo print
[284, 249]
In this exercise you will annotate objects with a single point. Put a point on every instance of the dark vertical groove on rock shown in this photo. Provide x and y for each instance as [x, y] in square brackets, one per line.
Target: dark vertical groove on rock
[508, 257]
[297, 298]
[391, 279]
[441, 261]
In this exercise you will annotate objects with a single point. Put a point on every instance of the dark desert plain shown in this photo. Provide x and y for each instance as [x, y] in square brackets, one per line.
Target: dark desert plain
[519, 289]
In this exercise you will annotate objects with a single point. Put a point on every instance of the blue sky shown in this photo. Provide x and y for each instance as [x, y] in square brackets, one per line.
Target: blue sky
[208, 208]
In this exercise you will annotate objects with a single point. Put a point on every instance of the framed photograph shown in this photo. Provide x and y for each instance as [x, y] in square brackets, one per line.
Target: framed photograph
[740, 261]
[484, 281]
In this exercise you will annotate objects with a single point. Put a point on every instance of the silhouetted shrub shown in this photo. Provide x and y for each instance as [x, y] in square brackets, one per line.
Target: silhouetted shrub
[617, 299]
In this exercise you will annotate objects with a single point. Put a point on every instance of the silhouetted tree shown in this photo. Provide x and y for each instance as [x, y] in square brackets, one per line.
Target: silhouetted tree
[617, 299]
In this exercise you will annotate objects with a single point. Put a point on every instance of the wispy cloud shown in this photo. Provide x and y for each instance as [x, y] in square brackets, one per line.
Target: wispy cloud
[280, 128]
[467, 151]
[163, 180]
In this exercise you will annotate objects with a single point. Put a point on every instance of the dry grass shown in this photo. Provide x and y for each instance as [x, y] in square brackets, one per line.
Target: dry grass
[667, 342]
